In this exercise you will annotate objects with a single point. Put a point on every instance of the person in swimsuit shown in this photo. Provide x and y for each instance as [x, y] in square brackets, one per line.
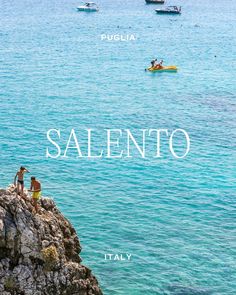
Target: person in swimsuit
[20, 180]
[159, 65]
[35, 188]
[153, 63]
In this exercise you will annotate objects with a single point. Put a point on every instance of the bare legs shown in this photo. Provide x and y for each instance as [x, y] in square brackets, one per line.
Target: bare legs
[20, 189]
[17, 188]
[35, 204]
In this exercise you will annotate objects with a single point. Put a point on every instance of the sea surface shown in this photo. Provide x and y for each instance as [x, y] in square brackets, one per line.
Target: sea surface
[176, 217]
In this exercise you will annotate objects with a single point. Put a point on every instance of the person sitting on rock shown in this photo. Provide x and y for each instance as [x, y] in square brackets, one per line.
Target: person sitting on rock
[35, 188]
[20, 180]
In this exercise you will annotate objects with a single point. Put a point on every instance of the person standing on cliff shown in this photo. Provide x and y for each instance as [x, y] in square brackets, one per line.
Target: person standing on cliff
[35, 188]
[20, 180]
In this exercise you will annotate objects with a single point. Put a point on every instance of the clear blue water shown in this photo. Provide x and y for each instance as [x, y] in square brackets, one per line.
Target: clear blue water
[176, 217]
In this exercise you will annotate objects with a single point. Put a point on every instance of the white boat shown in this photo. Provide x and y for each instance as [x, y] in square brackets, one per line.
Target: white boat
[169, 10]
[89, 7]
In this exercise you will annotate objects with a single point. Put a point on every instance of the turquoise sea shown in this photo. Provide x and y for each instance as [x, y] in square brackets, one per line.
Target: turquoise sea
[176, 217]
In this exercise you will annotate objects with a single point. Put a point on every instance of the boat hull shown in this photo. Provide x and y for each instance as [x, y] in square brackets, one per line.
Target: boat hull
[155, 2]
[87, 9]
[167, 12]
[164, 69]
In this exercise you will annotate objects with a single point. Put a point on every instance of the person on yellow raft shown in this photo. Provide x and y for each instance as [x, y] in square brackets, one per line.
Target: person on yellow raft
[35, 188]
[158, 67]
[155, 65]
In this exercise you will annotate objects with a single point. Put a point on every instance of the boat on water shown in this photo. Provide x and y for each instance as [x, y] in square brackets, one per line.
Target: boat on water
[169, 10]
[163, 69]
[155, 1]
[88, 7]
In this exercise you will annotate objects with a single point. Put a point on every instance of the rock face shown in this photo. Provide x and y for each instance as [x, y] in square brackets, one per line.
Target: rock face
[39, 253]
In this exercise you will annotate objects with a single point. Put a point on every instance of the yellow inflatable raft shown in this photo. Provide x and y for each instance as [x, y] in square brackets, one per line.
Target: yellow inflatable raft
[163, 69]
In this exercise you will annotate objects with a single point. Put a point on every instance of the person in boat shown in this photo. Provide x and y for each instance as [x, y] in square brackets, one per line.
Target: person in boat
[159, 65]
[20, 180]
[153, 63]
[35, 188]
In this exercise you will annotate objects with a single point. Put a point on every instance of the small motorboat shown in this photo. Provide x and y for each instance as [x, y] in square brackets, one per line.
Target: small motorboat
[163, 69]
[169, 10]
[88, 7]
[155, 1]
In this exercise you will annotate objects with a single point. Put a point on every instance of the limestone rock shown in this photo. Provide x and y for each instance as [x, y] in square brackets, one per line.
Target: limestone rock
[39, 253]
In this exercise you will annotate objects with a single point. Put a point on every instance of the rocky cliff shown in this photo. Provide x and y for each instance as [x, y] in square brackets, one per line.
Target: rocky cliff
[39, 253]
